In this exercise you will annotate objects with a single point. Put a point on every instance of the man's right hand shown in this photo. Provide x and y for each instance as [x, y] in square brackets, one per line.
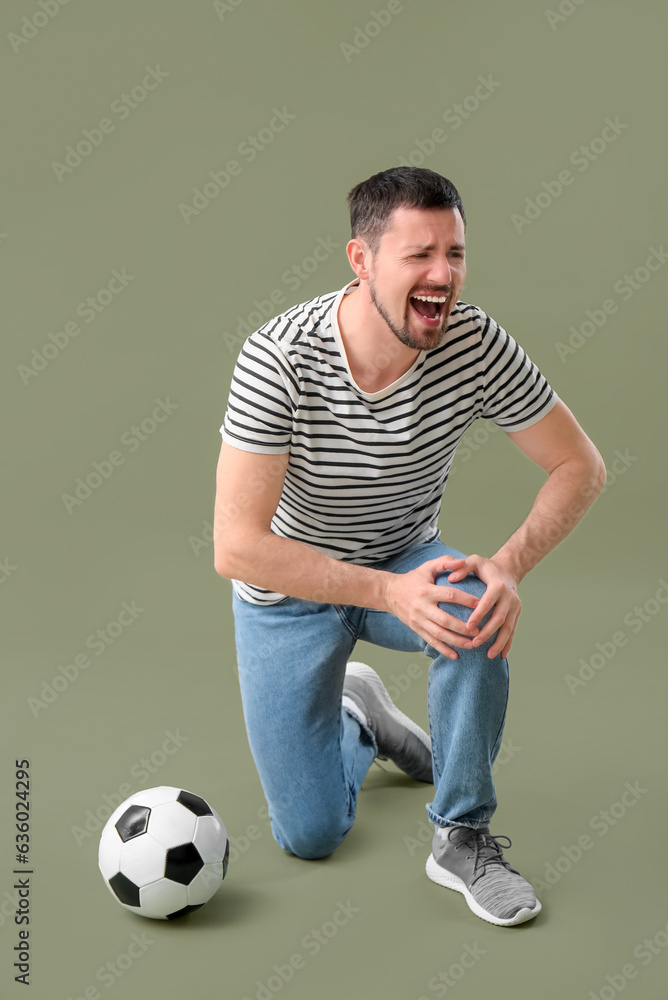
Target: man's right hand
[413, 597]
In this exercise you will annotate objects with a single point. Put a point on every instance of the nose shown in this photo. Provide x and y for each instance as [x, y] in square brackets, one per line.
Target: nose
[440, 272]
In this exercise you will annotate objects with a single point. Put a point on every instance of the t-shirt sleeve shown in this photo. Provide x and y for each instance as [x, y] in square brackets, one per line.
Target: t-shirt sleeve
[515, 392]
[259, 410]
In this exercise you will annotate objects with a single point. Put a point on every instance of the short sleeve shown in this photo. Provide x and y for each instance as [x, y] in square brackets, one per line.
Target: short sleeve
[259, 410]
[516, 394]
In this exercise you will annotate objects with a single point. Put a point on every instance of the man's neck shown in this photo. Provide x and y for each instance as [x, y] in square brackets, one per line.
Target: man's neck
[376, 357]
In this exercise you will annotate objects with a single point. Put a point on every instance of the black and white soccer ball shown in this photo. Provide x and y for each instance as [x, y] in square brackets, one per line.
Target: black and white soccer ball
[163, 852]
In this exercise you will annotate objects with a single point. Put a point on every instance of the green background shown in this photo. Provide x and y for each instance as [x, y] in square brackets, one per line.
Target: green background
[144, 534]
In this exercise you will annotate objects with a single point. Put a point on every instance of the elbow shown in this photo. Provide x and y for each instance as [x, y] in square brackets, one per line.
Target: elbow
[593, 474]
[224, 563]
[222, 570]
[222, 560]
[603, 475]
[599, 473]
[225, 547]
[230, 557]
[587, 473]
[236, 551]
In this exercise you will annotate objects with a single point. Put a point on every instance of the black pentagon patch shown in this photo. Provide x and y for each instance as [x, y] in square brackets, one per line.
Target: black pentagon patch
[133, 822]
[195, 804]
[182, 912]
[126, 890]
[226, 858]
[183, 863]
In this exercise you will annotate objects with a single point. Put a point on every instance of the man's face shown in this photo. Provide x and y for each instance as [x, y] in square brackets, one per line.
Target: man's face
[421, 253]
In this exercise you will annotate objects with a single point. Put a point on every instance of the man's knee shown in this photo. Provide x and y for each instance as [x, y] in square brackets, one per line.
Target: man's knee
[309, 837]
[471, 584]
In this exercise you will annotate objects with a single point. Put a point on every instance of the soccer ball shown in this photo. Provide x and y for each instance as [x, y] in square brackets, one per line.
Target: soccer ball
[163, 852]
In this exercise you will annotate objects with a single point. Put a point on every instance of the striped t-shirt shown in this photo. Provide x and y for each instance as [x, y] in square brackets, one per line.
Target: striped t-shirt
[367, 470]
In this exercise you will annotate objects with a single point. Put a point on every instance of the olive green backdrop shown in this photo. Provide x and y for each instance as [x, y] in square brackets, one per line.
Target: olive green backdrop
[130, 277]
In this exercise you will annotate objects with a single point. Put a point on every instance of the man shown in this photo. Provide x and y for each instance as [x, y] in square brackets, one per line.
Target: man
[343, 417]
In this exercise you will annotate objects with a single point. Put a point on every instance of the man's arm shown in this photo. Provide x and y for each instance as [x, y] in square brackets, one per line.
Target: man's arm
[576, 475]
[248, 490]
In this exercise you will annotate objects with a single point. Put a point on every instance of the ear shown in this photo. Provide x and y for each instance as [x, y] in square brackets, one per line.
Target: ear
[359, 256]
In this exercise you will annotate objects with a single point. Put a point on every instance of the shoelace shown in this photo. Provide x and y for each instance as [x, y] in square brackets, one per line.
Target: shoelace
[487, 843]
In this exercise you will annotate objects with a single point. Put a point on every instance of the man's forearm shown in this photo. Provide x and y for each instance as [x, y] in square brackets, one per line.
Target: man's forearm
[561, 502]
[289, 567]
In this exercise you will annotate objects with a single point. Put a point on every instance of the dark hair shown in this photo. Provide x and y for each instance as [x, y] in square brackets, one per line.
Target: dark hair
[372, 202]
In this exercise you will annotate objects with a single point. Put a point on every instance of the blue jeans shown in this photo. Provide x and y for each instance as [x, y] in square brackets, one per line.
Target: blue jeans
[312, 755]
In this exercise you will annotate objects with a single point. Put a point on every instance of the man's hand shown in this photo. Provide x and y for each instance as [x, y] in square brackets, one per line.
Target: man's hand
[501, 594]
[413, 597]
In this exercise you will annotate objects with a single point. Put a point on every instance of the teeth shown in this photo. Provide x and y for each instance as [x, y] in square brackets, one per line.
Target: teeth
[430, 298]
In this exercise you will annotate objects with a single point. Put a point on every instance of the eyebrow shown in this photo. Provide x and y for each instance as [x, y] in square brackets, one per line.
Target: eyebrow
[432, 246]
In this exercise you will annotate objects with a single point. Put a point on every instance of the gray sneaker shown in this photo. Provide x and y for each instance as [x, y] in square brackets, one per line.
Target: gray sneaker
[472, 862]
[397, 737]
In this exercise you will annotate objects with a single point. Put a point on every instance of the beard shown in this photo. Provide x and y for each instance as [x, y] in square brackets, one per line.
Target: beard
[429, 339]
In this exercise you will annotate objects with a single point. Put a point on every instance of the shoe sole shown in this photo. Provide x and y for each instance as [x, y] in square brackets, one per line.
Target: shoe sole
[450, 881]
[368, 674]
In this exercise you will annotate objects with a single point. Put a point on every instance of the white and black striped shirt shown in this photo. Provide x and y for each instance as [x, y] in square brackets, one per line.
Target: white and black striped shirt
[367, 470]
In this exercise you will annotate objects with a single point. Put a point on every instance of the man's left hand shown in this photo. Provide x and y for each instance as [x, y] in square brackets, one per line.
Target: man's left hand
[501, 595]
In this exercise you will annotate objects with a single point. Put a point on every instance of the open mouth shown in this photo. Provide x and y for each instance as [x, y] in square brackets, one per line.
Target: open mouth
[429, 308]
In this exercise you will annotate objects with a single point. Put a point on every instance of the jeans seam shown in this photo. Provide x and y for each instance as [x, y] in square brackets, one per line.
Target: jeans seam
[344, 618]
[435, 750]
[366, 729]
[497, 742]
